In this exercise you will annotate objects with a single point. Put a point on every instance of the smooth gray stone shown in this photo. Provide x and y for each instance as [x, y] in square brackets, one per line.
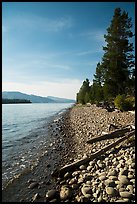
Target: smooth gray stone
[51, 194]
[125, 194]
[111, 191]
[86, 189]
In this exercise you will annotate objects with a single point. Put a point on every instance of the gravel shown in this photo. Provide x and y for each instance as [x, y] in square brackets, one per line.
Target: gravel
[107, 178]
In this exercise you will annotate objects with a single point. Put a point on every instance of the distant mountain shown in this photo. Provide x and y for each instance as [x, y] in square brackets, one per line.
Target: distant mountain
[34, 98]
[61, 100]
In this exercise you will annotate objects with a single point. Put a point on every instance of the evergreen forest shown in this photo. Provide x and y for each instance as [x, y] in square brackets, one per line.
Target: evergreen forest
[114, 78]
[7, 101]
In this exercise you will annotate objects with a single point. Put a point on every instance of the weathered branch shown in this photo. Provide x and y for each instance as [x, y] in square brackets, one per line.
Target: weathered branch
[76, 164]
[133, 127]
[112, 135]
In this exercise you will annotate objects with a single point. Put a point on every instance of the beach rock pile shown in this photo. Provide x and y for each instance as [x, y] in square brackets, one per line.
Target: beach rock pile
[83, 123]
[109, 177]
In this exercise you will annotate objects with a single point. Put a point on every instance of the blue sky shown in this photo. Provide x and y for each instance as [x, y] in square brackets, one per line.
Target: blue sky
[51, 48]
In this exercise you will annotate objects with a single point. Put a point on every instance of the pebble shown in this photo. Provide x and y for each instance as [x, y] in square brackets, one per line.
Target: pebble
[75, 173]
[112, 173]
[82, 167]
[121, 189]
[124, 172]
[125, 194]
[87, 177]
[119, 201]
[79, 198]
[102, 178]
[88, 182]
[67, 175]
[130, 188]
[73, 181]
[80, 180]
[123, 179]
[91, 163]
[51, 194]
[33, 185]
[102, 174]
[110, 178]
[100, 199]
[31, 180]
[113, 178]
[65, 193]
[130, 176]
[89, 168]
[126, 199]
[132, 180]
[95, 195]
[35, 197]
[75, 186]
[86, 189]
[119, 186]
[111, 191]
[101, 165]
[53, 201]
[110, 183]
[87, 195]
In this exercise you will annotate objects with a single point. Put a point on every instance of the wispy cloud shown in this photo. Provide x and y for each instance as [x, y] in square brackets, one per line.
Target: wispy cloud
[41, 23]
[64, 67]
[48, 64]
[88, 52]
[97, 35]
[58, 24]
[37, 60]
[34, 67]
[84, 53]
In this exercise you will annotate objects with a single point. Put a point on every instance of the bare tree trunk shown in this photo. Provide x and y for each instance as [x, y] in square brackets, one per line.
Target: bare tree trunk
[76, 164]
[117, 133]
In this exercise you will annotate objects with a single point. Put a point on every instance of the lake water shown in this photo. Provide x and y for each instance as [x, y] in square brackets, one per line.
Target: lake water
[25, 134]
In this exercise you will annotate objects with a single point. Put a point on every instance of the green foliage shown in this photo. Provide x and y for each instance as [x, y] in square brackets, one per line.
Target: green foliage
[131, 100]
[99, 75]
[123, 103]
[118, 60]
[115, 75]
[98, 92]
[86, 98]
[83, 95]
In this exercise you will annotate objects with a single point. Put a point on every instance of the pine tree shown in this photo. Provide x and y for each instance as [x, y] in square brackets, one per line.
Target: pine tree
[82, 97]
[86, 98]
[117, 62]
[116, 73]
[96, 90]
[99, 75]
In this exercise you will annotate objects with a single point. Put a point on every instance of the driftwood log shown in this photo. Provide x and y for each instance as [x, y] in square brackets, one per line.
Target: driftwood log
[76, 164]
[133, 127]
[112, 135]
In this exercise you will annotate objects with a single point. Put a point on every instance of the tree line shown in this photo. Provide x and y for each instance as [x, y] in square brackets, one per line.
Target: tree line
[7, 101]
[115, 74]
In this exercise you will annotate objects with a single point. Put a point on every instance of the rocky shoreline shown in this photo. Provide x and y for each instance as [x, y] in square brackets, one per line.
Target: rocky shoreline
[108, 178]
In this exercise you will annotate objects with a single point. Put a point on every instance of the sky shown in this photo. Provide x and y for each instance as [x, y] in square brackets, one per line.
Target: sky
[50, 48]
